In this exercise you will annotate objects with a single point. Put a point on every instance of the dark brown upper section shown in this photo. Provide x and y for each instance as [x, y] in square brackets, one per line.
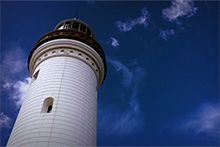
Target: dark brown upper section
[72, 33]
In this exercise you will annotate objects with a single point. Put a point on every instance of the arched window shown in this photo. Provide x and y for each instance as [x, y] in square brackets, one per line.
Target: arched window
[47, 105]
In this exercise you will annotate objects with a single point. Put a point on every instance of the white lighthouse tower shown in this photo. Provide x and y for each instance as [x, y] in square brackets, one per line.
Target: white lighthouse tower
[67, 66]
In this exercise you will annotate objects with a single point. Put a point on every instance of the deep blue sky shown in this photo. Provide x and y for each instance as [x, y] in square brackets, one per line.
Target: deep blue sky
[162, 84]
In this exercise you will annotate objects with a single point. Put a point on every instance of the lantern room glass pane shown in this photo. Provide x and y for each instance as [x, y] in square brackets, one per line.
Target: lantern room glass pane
[82, 28]
[75, 25]
[88, 32]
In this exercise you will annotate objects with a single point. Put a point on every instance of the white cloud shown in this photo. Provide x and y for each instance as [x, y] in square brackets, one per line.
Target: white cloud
[17, 90]
[114, 42]
[20, 90]
[165, 33]
[204, 120]
[5, 121]
[126, 73]
[129, 24]
[7, 85]
[13, 67]
[179, 8]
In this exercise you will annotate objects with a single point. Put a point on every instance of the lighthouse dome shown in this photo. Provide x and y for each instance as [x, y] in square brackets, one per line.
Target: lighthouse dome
[75, 24]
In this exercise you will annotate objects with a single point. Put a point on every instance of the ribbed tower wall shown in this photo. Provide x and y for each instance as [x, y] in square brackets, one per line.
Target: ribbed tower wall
[67, 72]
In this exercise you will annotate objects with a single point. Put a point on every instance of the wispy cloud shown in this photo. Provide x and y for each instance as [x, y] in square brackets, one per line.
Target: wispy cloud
[131, 120]
[129, 75]
[139, 74]
[204, 120]
[165, 33]
[116, 122]
[126, 73]
[13, 67]
[129, 24]
[114, 42]
[13, 61]
[5, 121]
[179, 8]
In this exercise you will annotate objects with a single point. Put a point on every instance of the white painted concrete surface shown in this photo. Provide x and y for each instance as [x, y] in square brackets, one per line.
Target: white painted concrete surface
[70, 74]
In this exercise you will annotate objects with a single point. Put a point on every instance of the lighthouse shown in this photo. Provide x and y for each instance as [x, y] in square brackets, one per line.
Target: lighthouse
[67, 66]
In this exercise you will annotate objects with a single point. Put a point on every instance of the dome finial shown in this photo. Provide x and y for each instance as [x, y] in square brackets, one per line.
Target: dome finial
[76, 16]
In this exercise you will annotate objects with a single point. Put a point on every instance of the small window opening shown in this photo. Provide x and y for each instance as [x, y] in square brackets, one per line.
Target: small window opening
[45, 55]
[93, 64]
[36, 75]
[80, 54]
[53, 52]
[47, 105]
[71, 51]
[62, 51]
[87, 58]
[83, 28]
[49, 108]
